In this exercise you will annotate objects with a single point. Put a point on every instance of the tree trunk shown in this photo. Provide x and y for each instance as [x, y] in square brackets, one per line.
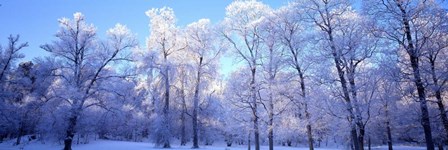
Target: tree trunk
[361, 137]
[307, 114]
[256, 134]
[271, 116]
[196, 106]
[388, 130]
[328, 29]
[183, 138]
[370, 144]
[248, 141]
[351, 70]
[21, 132]
[389, 136]
[271, 130]
[354, 135]
[310, 137]
[423, 106]
[70, 133]
[254, 109]
[166, 109]
[346, 96]
[414, 58]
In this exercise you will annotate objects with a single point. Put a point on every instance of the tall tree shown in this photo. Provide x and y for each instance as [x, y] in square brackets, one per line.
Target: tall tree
[349, 45]
[271, 66]
[291, 32]
[201, 44]
[406, 22]
[85, 62]
[242, 31]
[164, 40]
[434, 50]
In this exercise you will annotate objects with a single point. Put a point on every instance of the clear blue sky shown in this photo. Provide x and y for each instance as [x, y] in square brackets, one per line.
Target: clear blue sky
[36, 20]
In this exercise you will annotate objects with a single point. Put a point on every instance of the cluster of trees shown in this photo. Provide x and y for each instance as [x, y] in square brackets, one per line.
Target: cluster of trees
[311, 72]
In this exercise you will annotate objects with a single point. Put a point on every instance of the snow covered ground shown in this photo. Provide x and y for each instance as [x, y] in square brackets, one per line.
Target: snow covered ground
[122, 145]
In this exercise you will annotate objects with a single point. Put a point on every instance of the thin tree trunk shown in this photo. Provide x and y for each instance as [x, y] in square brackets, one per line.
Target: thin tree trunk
[183, 138]
[353, 90]
[256, 134]
[196, 106]
[388, 130]
[307, 113]
[248, 141]
[308, 129]
[254, 109]
[271, 126]
[166, 108]
[414, 58]
[21, 132]
[271, 102]
[389, 136]
[370, 144]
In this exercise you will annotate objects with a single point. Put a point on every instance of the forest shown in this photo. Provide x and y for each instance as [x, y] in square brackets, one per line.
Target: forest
[311, 73]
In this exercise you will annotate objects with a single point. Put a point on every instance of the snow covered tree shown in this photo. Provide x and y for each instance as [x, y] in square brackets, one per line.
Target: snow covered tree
[164, 39]
[85, 61]
[8, 97]
[242, 31]
[433, 27]
[201, 41]
[292, 35]
[410, 24]
[349, 44]
[10, 55]
[272, 65]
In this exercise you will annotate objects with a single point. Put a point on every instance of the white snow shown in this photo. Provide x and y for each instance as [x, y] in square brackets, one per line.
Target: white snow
[123, 145]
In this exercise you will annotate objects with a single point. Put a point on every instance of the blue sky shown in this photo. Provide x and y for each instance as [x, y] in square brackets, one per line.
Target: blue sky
[36, 20]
